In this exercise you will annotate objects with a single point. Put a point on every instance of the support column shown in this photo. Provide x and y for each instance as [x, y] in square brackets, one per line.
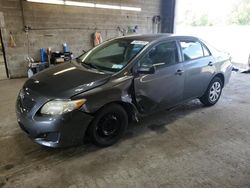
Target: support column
[167, 15]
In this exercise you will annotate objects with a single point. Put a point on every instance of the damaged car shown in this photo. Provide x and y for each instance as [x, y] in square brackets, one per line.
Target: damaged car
[99, 93]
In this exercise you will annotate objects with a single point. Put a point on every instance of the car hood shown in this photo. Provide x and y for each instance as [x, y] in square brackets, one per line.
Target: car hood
[65, 80]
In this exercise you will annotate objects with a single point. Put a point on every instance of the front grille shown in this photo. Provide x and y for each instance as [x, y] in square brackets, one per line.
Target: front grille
[26, 101]
[49, 137]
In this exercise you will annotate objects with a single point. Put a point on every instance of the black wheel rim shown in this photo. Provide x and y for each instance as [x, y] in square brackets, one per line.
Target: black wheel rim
[109, 126]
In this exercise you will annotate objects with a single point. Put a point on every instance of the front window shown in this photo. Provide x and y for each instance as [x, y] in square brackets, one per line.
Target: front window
[162, 55]
[112, 56]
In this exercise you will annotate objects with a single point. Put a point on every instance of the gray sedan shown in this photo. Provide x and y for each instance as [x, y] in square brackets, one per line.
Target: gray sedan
[99, 93]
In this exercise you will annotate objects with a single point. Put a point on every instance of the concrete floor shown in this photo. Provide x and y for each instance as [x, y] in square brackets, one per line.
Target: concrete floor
[190, 146]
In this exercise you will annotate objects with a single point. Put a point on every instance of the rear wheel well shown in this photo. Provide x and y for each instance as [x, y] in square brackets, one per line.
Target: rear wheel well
[221, 76]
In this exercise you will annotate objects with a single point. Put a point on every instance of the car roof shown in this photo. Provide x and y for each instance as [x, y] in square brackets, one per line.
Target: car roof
[156, 37]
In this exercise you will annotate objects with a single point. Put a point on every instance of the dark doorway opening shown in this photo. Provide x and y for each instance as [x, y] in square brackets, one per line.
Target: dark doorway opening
[167, 15]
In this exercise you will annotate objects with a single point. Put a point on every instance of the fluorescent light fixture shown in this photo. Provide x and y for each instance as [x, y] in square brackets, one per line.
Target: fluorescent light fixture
[80, 4]
[56, 2]
[84, 4]
[107, 6]
[131, 8]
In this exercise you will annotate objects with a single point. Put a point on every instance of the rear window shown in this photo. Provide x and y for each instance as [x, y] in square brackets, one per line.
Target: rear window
[191, 50]
[206, 51]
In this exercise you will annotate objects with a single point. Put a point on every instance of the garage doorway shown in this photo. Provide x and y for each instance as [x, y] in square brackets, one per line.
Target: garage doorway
[226, 28]
[3, 67]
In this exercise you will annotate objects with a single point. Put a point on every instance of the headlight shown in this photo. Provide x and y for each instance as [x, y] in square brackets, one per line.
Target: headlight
[58, 107]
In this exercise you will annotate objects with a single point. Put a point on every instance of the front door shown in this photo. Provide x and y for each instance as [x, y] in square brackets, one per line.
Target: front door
[164, 87]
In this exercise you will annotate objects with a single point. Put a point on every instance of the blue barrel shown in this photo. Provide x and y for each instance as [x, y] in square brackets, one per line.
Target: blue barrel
[43, 55]
[65, 48]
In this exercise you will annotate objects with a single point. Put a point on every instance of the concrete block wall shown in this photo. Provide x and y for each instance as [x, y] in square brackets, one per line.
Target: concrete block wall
[52, 25]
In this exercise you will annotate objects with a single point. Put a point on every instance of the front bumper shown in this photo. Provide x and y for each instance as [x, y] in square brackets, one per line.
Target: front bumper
[53, 131]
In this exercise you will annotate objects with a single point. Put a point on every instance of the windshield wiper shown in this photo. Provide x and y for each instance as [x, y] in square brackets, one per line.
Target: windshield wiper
[91, 65]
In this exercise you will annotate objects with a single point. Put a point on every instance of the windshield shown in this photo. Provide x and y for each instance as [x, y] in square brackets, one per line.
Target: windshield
[113, 55]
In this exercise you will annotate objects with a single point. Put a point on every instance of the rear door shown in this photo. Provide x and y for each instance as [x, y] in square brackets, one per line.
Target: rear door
[164, 88]
[198, 66]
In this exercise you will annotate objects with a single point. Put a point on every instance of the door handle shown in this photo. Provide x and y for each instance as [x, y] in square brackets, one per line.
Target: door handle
[179, 72]
[210, 63]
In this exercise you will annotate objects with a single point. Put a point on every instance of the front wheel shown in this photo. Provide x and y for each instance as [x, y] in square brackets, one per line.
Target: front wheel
[213, 92]
[108, 126]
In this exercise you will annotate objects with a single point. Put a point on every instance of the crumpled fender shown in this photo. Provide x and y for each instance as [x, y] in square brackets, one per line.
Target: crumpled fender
[116, 90]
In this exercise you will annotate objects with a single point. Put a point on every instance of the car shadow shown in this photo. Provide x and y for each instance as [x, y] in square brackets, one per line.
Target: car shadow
[158, 122]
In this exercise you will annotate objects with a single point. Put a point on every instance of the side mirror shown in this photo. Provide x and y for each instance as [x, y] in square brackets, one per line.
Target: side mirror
[146, 70]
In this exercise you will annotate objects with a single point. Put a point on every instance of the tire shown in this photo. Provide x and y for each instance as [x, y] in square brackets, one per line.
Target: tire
[213, 92]
[108, 126]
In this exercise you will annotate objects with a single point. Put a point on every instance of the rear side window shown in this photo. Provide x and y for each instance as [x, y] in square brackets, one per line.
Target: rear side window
[191, 50]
